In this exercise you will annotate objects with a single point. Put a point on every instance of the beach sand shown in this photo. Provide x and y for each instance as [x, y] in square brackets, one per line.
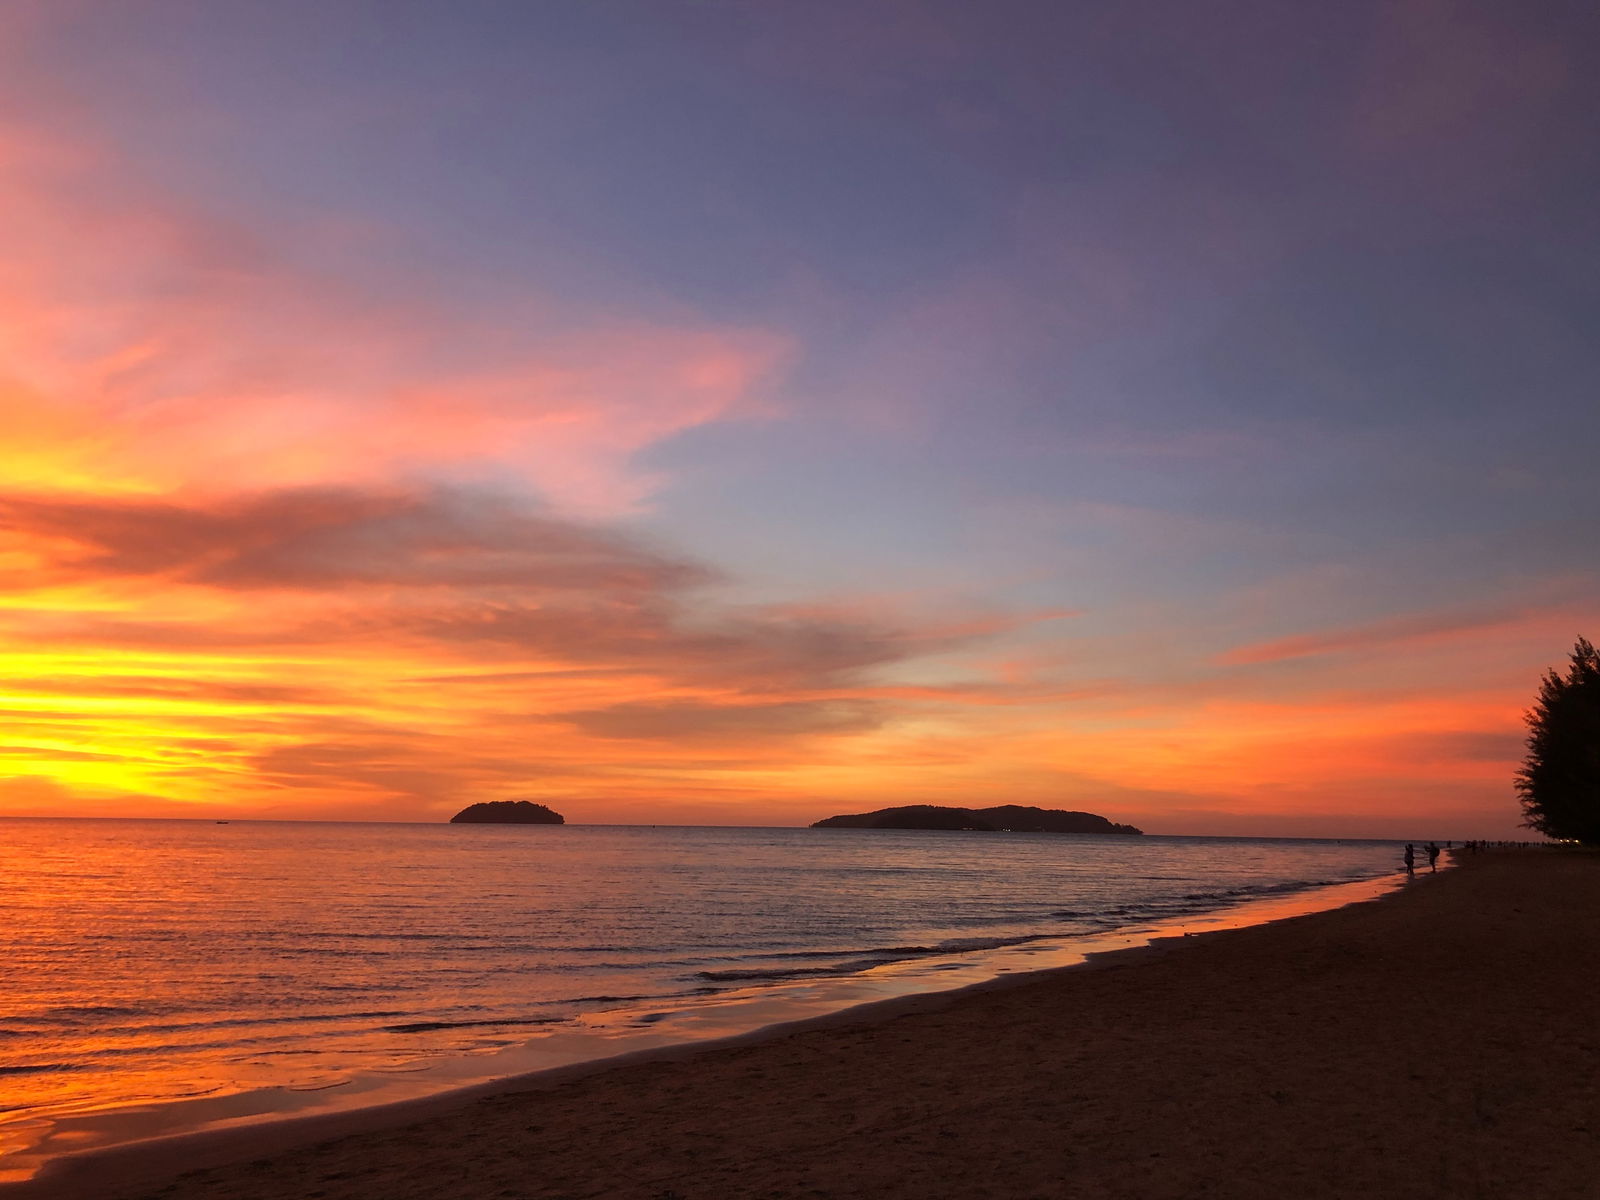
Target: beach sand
[1444, 1041]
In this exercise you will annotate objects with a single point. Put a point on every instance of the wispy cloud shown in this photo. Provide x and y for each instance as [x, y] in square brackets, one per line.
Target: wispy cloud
[718, 722]
[332, 537]
[1409, 630]
[148, 346]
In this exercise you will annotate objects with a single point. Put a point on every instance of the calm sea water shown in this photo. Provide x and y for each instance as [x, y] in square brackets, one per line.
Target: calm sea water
[145, 962]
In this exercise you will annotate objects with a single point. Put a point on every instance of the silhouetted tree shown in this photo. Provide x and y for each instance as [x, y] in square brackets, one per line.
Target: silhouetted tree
[1559, 782]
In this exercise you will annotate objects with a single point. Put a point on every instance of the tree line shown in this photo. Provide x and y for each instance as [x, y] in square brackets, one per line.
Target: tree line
[1559, 783]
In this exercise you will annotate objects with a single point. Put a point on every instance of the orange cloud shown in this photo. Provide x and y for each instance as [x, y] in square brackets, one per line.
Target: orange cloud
[320, 538]
[1408, 630]
[1554, 610]
[393, 652]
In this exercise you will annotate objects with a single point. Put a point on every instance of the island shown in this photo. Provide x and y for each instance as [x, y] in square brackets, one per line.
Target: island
[1008, 818]
[508, 812]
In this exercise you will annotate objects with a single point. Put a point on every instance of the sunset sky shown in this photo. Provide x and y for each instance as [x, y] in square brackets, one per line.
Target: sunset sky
[730, 412]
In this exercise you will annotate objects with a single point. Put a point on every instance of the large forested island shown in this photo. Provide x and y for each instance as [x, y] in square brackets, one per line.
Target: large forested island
[1009, 818]
[508, 812]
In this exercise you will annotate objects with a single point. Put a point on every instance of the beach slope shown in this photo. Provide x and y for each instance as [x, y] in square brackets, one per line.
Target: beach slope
[1439, 1042]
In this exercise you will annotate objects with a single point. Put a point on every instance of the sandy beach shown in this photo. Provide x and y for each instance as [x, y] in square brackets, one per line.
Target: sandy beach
[1441, 1042]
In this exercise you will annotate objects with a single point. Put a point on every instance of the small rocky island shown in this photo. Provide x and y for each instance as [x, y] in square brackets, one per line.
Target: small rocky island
[508, 812]
[1007, 818]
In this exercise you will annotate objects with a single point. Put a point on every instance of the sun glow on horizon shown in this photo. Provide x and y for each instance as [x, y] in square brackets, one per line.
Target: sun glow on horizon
[747, 439]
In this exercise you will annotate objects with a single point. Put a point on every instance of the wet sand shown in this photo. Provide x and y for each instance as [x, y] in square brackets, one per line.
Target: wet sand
[1444, 1041]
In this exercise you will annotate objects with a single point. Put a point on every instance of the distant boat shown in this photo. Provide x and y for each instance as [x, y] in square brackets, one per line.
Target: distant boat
[221, 822]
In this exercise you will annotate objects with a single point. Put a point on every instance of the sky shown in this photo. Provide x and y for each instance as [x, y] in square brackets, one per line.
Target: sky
[741, 412]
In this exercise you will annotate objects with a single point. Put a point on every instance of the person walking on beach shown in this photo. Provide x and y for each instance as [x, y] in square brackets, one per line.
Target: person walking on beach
[1433, 857]
[1411, 857]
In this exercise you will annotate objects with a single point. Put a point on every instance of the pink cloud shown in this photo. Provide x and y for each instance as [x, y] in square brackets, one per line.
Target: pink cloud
[154, 348]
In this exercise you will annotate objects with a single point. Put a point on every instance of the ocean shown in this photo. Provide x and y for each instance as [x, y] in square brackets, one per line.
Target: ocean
[163, 976]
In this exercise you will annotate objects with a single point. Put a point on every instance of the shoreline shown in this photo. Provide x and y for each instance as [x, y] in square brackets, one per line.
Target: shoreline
[248, 1124]
[1438, 1042]
[90, 1077]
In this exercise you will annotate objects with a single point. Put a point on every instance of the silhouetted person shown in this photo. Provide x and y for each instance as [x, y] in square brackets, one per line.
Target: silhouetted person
[1410, 856]
[1433, 857]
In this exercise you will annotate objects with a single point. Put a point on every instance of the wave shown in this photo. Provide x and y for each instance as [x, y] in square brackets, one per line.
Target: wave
[218, 1023]
[1193, 902]
[435, 1026]
[42, 1068]
[566, 1003]
[855, 961]
[72, 1014]
[1263, 889]
[1115, 916]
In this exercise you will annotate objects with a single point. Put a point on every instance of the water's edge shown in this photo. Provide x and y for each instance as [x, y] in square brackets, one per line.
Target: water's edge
[217, 1129]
